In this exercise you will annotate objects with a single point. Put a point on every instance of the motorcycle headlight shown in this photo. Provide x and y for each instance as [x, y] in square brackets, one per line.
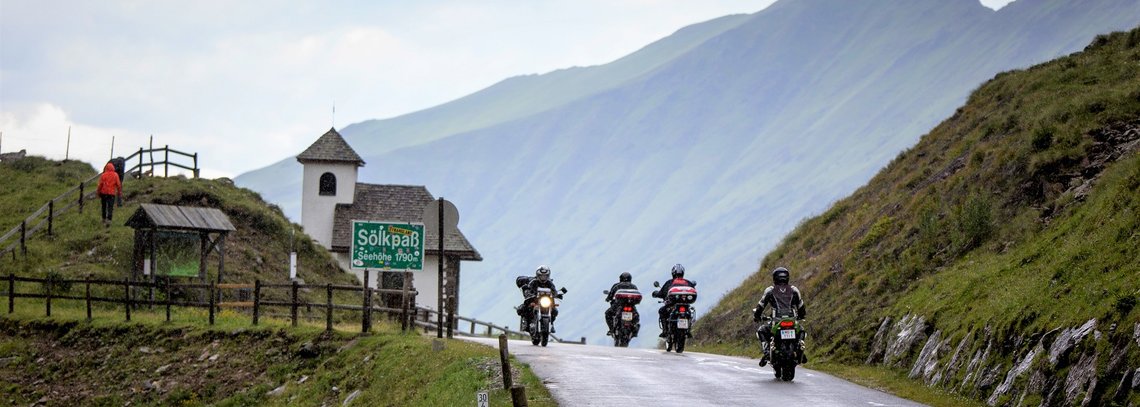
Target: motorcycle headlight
[545, 302]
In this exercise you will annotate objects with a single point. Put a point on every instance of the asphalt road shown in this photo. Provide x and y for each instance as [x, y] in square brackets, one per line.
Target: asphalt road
[587, 375]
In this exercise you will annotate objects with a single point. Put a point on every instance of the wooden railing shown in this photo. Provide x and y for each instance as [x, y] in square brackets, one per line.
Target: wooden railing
[426, 319]
[134, 295]
[44, 217]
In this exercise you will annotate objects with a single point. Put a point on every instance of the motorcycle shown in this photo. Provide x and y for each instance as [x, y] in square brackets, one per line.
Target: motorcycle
[786, 349]
[542, 305]
[626, 322]
[680, 316]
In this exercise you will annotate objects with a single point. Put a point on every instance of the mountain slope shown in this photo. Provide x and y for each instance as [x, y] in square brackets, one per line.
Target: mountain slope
[1002, 233]
[708, 158]
[507, 100]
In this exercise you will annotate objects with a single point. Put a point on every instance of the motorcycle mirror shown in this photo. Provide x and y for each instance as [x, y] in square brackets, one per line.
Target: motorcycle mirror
[694, 282]
[564, 290]
[606, 292]
[655, 284]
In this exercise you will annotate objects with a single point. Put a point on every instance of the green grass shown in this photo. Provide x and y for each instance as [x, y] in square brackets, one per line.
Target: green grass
[896, 382]
[980, 225]
[387, 367]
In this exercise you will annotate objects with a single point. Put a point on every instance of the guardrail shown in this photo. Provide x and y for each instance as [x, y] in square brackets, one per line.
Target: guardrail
[84, 191]
[425, 318]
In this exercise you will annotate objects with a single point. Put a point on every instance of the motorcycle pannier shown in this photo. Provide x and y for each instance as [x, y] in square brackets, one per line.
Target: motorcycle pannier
[520, 281]
[682, 294]
[628, 296]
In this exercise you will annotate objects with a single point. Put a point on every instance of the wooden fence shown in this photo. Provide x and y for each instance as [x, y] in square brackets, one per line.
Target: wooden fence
[426, 319]
[140, 294]
[129, 293]
[78, 196]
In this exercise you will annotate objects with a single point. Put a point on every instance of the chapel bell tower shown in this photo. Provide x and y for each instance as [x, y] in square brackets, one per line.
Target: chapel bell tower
[330, 170]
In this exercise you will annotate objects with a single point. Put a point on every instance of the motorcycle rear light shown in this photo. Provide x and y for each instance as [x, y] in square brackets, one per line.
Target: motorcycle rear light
[683, 309]
[627, 309]
[787, 324]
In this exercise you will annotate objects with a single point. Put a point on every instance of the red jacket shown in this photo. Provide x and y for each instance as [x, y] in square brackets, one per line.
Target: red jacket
[109, 183]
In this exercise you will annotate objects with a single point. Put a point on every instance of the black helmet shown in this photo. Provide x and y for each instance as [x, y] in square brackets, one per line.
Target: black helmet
[678, 271]
[781, 275]
[543, 273]
[625, 277]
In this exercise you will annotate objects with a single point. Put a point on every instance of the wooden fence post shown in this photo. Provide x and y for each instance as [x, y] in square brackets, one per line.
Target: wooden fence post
[166, 162]
[195, 165]
[404, 301]
[81, 197]
[518, 396]
[87, 294]
[141, 163]
[256, 298]
[11, 293]
[505, 361]
[366, 312]
[211, 304]
[23, 238]
[127, 297]
[293, 312]
[451, 321]
[166, 282]
[328, 308]
[47, 289]
[51, 215]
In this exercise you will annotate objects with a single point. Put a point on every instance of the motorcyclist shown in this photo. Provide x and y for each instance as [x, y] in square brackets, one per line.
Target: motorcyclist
[541, 280]
[678, 280]
[785, 300]
[624, 283]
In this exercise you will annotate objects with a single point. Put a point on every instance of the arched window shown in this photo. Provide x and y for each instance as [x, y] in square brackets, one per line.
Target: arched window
[328, 184]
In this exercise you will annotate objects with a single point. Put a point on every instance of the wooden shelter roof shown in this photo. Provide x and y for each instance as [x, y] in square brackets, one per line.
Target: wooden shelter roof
[180, 217]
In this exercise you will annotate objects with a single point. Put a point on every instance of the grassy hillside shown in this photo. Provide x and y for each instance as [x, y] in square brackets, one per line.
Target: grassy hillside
[1017, 217]
[64, 360]
[258, 249]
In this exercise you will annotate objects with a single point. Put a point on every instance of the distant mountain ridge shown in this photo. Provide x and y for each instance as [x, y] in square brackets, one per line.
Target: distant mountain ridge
[708, 153]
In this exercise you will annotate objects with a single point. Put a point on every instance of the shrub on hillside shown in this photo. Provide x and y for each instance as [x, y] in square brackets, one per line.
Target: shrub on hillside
[974, 223]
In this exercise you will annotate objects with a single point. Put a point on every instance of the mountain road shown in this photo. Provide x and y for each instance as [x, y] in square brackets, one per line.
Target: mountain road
[586, 375]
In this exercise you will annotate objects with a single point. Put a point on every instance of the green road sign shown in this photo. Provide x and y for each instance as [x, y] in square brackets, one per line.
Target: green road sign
[390, 246]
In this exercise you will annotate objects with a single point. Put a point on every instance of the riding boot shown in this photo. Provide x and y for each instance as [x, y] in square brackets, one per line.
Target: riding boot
[764, 351]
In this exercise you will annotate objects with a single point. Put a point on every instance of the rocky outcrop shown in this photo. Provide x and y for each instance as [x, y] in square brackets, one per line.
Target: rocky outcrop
[1018, 369]
[903, 337]
[879, 344]
[16, 156]
[927, 363]
[1068, 338]
[1077, 365]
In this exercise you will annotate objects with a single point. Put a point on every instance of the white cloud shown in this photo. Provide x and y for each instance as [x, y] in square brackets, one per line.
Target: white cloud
[249, 83]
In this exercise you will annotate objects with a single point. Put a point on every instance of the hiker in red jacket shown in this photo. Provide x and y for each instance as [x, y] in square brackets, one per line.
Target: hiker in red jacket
[109, 187]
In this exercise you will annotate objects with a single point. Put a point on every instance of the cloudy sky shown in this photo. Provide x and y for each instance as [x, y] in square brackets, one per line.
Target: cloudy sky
[248, 83]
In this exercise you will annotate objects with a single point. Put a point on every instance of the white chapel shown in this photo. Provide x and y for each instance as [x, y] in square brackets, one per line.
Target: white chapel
[331, 198]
